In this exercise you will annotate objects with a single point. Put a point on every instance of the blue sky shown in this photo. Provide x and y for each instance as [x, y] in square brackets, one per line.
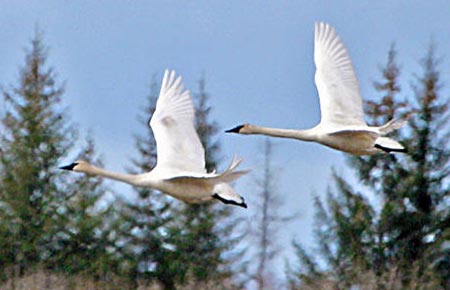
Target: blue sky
[257, 57]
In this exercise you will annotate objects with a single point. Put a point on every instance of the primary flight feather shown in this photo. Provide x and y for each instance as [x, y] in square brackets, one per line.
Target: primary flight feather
[178, 145]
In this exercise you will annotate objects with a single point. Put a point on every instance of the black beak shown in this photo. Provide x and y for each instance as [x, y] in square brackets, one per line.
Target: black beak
[69, 167]
[235, 129]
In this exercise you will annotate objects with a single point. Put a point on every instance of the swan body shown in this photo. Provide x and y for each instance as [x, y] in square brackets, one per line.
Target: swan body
[180, 168]
[342, 125]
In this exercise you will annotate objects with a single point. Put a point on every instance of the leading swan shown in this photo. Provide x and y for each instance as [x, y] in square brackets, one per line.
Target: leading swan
[342, 125]
[180, 168]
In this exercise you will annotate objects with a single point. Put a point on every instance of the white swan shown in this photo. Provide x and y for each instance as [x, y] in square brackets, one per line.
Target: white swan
[180, 168]
[342, 124]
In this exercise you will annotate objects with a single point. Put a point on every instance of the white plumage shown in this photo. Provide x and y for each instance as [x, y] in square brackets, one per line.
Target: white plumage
[180, 168]
[340, 99]
[342, 125]
[178, 146]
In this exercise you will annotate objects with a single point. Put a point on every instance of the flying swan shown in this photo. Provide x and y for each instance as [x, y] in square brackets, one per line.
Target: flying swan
[180, 168]
[342, 125]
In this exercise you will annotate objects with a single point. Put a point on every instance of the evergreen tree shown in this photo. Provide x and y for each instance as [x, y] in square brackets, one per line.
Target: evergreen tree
[409, 232]
[383, 173]
[420, 192]
[347, 237]
[36, 134]
[83, 243]
[345, 240]
[426, 187]
[146, 220]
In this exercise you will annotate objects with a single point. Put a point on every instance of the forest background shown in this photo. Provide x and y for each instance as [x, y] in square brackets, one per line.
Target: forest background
[105, 63]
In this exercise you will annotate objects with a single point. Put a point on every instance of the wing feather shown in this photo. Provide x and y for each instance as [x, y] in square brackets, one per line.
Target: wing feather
[340, 99]
[230, 174]
[178, 145]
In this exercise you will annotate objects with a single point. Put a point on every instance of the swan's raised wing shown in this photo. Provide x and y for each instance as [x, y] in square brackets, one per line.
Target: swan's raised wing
[178, 145]
[340, 99]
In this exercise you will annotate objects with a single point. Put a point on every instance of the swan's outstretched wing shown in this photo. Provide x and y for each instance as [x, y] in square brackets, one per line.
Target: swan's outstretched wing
[178, 145]
[340, 99]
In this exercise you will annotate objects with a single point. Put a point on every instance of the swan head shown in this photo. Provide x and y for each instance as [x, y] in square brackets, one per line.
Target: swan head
[78, 166]
[226, 194]
[241, 129]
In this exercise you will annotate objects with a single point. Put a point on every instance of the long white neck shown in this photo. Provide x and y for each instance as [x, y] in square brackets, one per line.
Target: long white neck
[127, 178]
[304, 135]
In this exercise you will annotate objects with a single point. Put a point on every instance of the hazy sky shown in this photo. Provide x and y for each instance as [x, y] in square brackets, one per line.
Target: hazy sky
[257, 57]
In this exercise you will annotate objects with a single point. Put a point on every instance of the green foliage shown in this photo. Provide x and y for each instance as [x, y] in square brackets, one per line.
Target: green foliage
[49, 219]
[165, 241]
[56, 222]
[428, 186]
[206, 229]
[411, 226]
[146, 221]
[83, 243]
[36, 135]
[345, 238]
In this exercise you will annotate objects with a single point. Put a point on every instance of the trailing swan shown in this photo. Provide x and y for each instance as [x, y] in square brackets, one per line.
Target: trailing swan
[342, 125]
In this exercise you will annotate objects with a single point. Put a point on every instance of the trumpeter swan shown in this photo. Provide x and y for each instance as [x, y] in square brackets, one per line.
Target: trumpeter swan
[180, 168]
[342, 125]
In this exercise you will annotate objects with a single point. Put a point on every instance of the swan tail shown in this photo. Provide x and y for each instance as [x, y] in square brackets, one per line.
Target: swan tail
[392, 125]
[231, 174]
[389, 145]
